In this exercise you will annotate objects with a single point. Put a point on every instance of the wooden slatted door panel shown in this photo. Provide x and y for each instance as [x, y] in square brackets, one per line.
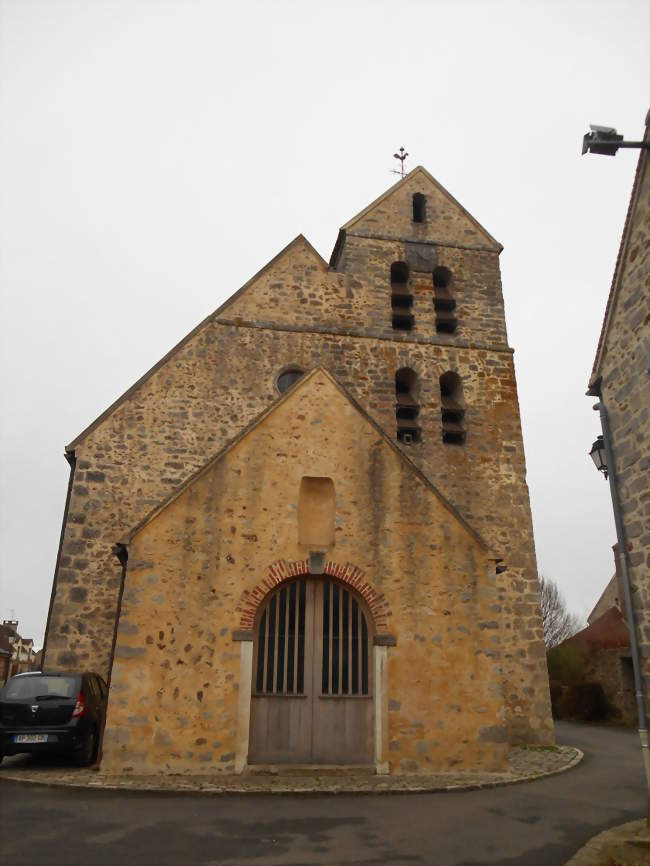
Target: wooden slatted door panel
[312, 689]
[343, 711]
[281, 702]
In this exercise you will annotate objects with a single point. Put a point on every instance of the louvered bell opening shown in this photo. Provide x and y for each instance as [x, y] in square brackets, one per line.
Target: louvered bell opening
[442, 293]
[450, 405]
[402, 321]
[401, 300]
[399, 274]
[452, 418]
[453, 437]
[405, 398]
[446, 322]
[408, 433]
[407, 413]
[453, 431]
[444, 305]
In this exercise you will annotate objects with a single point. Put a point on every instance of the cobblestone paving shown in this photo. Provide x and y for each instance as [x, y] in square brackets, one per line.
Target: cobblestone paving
[526, 764]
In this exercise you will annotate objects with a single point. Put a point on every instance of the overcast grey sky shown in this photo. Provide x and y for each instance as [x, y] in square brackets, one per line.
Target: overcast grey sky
[154, 154]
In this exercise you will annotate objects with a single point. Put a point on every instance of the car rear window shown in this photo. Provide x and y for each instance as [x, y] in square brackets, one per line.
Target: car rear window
[31, 687]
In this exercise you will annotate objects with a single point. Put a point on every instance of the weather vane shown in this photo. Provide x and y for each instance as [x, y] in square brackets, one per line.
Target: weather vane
[401, 156]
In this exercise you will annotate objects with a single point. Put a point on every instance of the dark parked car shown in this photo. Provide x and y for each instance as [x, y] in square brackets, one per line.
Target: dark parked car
[53, 712]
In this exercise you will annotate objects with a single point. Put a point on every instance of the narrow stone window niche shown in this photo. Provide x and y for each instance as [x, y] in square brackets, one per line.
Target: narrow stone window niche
[316, 512]
[419, 208]
[443, 301]
[407, 406]
[452, 407]
[401, 297]
[287, 378]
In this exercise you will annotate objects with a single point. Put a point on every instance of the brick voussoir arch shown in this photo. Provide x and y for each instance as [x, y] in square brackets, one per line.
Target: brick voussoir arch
[283, 569]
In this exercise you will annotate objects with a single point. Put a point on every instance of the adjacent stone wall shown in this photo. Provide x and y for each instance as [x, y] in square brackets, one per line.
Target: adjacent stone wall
[174, 690]
[612, 668]
[626, 394]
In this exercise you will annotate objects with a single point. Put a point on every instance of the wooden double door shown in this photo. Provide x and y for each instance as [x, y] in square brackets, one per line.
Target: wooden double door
[312, 691]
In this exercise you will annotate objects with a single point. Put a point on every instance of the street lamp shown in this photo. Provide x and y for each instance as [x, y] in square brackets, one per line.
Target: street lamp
[597, 454]
[606, 141]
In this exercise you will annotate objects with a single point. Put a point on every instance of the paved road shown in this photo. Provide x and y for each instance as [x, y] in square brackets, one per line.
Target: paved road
[534, 824]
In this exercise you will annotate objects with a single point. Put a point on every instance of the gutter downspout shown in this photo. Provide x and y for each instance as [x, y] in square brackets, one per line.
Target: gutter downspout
[625, 580]
[72, 460]
[122, 553]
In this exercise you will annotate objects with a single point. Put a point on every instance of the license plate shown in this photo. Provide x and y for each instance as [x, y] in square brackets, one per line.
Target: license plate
[30, 738]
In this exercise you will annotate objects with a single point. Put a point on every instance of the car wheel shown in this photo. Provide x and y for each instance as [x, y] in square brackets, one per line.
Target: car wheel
[86, 754]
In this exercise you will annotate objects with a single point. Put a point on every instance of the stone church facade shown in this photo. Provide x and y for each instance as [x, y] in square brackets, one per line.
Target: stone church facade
[305, 534]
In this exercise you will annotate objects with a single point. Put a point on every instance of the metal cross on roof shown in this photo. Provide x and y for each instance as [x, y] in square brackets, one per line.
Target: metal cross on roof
[401, 156]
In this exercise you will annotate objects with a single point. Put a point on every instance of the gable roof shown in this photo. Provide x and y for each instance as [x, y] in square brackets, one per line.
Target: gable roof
[287, 396]
[608, 598]
[621, 259]
[417, 171]
[609, 631]
[299, 239]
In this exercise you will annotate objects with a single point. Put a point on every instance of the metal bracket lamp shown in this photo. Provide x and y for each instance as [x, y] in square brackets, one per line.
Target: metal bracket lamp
[597, 454]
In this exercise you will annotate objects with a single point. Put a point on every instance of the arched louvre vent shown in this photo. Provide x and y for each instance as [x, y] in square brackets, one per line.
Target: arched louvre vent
[281, 642]
[401, 297]
[452, 407]
[443, 301]
[407, 406]
[345, 643]
[419, 207]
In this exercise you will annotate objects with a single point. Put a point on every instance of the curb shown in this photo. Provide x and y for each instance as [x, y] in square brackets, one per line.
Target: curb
[264, 785]
[597, 849]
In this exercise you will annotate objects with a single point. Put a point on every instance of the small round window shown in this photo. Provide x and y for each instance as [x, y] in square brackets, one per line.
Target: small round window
[287, 378]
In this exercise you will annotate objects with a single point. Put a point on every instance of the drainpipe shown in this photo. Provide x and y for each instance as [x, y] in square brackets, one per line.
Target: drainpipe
[122, 553]
[625, 580]
[72, 460]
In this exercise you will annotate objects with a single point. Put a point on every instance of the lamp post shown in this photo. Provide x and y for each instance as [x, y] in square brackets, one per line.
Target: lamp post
[606, 141]
[603, 456]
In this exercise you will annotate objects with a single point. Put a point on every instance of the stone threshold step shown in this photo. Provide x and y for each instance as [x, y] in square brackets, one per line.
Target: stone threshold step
[310, 770]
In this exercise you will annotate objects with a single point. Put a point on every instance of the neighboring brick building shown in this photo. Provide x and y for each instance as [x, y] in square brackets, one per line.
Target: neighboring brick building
[604, 650]
[405, 442]
[6, 652]
[621, 379]
[22, 648]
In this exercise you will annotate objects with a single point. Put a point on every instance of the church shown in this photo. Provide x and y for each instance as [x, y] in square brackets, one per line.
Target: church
[304, 536]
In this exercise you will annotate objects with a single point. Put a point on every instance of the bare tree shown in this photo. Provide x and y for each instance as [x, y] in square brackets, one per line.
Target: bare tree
[558, 623]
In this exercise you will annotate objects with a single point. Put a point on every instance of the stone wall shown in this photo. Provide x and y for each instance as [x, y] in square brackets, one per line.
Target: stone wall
[298, 292]
[447, 223]
[612, 668]
[174, 692]
[624, 367]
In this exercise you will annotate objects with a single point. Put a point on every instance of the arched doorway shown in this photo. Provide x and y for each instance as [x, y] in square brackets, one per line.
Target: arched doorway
[312, 683]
